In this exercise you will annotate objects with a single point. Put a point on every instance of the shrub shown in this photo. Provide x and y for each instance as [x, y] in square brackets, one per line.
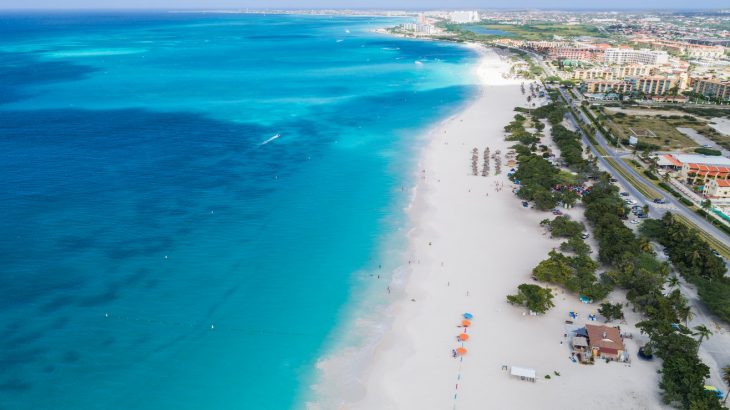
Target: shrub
[708, 151]
[651, 175]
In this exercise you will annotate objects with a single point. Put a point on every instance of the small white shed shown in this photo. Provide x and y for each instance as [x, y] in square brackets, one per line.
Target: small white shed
[523, 373]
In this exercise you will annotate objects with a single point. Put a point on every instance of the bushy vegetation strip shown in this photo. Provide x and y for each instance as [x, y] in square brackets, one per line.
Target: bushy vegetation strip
[695, 261]
[634, 268]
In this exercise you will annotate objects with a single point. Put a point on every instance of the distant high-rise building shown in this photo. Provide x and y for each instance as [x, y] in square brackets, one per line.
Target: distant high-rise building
[461, 17]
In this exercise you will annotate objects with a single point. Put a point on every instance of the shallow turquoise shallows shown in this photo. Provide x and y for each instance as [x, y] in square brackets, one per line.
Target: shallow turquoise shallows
[161, 247]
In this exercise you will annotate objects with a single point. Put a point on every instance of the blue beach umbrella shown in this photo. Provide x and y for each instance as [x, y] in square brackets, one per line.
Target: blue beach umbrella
[468, 316]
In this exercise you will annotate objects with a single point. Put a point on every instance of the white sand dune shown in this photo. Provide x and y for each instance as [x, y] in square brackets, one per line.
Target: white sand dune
[471, 246]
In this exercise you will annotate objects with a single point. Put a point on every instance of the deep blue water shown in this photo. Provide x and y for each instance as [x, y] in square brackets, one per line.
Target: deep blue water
[153, 253]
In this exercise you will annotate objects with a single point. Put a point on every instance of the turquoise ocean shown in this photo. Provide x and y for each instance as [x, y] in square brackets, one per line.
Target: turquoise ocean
[155, 252]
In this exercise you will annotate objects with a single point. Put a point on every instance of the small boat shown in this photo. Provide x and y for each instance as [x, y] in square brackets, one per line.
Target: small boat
[270, 139]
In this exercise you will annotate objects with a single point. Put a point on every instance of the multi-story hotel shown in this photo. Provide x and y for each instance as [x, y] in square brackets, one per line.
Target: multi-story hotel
[607, 86]
[655, 85]
[420, 28]
[709, 52]
[649, 85]
[622, 56]
[692, 50]
[575, 53]
[613, 73]
[712, 88]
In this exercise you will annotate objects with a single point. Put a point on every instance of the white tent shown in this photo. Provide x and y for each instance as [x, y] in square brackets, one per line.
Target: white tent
[523, 373]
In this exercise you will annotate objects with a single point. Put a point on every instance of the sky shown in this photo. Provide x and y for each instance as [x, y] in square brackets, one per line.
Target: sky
[390, 4]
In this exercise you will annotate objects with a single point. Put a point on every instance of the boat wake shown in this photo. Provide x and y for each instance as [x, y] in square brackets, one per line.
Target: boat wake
[270, 139]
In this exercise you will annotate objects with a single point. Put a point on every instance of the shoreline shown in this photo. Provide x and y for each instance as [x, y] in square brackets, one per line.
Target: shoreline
[337, 382]
[470, 243]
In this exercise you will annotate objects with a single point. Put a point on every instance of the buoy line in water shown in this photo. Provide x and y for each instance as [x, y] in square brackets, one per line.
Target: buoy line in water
[203, 326]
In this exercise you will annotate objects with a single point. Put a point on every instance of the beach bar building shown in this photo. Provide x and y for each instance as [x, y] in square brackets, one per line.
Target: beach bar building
[605, 341]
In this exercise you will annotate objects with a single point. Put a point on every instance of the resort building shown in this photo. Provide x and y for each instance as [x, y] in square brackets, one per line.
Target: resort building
[712, 88]
[633, 70]
[674, 162]
[613, 73]
[691, 50]
[607, 86]
[708, 52]
[717, 189]
[653, 85]
[575, 53]
[649, 85]
[622, 56]
[700, 174]
[605, 341]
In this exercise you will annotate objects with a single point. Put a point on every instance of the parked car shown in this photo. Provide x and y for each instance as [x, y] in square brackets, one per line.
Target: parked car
[525, 204]
[642, 215]
[624, 194]
[660, 201]
[584, 235]
[634, 221]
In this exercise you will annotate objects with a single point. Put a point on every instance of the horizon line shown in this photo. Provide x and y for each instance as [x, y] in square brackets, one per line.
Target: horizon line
[408, 9]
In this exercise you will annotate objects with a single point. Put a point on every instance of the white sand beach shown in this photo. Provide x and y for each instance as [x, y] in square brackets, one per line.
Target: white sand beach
[471, 246]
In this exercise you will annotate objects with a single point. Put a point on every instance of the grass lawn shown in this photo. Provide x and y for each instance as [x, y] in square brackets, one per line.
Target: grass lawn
[654, 130]
[545, 31]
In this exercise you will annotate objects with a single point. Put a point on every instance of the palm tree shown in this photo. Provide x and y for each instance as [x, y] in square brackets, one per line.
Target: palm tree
[666, 177]
[685, 314]
[726, 379]
[703, 332]
[706, 206]
[653, 164]
[645, 246]
[673, 281]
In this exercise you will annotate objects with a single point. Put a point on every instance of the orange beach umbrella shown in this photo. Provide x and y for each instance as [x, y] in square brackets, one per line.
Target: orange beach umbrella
[461, 351]
[463, 337]
[465, 323]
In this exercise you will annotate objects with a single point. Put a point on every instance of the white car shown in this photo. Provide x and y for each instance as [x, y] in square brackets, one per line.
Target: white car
[634, 221]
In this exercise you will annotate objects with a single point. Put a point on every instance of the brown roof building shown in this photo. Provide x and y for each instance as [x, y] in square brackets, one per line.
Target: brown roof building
[605, 341]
